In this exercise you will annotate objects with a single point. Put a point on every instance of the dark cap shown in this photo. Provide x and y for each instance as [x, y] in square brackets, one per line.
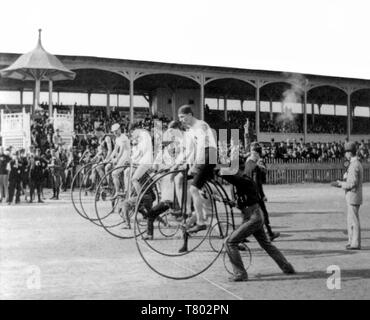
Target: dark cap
[256, 147]
[185, 109]
[350, 146]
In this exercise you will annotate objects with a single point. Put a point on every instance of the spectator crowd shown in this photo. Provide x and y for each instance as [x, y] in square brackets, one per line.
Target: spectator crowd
[52, 163]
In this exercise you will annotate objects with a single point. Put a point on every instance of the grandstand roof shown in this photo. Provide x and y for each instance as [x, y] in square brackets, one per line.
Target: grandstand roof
[98, 74]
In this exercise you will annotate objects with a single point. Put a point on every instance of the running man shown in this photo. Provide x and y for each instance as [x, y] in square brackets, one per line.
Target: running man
[253, 221]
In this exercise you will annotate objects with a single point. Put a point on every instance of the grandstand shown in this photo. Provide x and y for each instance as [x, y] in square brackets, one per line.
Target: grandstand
[279, 105]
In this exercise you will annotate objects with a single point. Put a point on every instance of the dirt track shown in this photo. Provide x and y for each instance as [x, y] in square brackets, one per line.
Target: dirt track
[77, 260]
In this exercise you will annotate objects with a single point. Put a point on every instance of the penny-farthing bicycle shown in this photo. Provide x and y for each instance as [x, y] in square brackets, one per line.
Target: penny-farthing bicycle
[83, 190]
[115, 208]
[163, 254]
[79, 181]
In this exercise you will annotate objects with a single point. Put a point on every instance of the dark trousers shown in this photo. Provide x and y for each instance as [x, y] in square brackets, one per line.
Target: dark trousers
[154, 213]
[265, 216]
[56, 181]
[14, 188]
[63, 178]
[252, 224]
[35, 184]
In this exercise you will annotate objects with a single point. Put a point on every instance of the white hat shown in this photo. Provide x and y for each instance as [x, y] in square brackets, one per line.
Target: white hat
[115, 127]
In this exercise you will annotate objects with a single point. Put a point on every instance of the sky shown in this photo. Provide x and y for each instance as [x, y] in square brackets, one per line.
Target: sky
[326, 37]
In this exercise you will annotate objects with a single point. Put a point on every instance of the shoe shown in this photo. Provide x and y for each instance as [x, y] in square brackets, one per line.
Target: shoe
[289, 269]
[274, 235]
[53, 197]
[40, 201]
[239, 278]
[183, 249]
[241, 247]
[176, 213]
[148, 237]
[348, 247]
[197, 228]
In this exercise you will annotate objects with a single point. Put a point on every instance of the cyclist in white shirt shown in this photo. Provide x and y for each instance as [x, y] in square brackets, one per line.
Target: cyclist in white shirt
[184, 158]
[205, 160]
[142, 156]
[119, 156]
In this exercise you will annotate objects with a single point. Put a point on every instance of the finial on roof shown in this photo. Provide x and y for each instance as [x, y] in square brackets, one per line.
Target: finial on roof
[40, 37]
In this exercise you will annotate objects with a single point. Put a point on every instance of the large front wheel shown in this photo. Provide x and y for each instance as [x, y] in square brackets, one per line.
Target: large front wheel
[166, 254]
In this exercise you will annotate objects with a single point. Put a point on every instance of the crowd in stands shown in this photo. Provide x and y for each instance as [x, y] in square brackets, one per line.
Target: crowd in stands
[293, 151]
[321, 124]
[297, 150]
[54, 163]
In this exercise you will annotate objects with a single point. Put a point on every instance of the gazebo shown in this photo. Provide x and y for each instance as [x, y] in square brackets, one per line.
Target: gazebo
[38, 65]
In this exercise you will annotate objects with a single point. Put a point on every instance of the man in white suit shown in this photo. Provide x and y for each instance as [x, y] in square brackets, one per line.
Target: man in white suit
[353, 192]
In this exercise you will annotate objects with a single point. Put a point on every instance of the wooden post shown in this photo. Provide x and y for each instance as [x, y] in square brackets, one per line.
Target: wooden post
[173, 104]
[73, 110]
[348, 115]
[108, 103]
[271, 113]
[305, 116]
[313, 113]
[50, 99]
[225, 108]
[21, 96]
[131, 98]
[257, 109]
[36, 95]
[202, 97]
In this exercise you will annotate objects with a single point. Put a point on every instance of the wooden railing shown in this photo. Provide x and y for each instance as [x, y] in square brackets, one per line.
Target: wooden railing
[281, 172]
[288, 172]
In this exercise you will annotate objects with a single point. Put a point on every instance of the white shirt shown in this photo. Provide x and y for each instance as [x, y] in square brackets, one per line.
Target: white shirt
[187, 155]
[143, 150]
[203, 137]
[122, 142]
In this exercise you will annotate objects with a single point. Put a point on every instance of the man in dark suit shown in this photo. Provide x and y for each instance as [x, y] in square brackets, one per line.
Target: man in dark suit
[15, 168]
[55, 166]
[256, 170]
[36, 174]
[248, 202]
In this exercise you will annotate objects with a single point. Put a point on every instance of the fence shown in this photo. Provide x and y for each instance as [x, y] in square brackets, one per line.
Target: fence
[15, 129]
[299, 171]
